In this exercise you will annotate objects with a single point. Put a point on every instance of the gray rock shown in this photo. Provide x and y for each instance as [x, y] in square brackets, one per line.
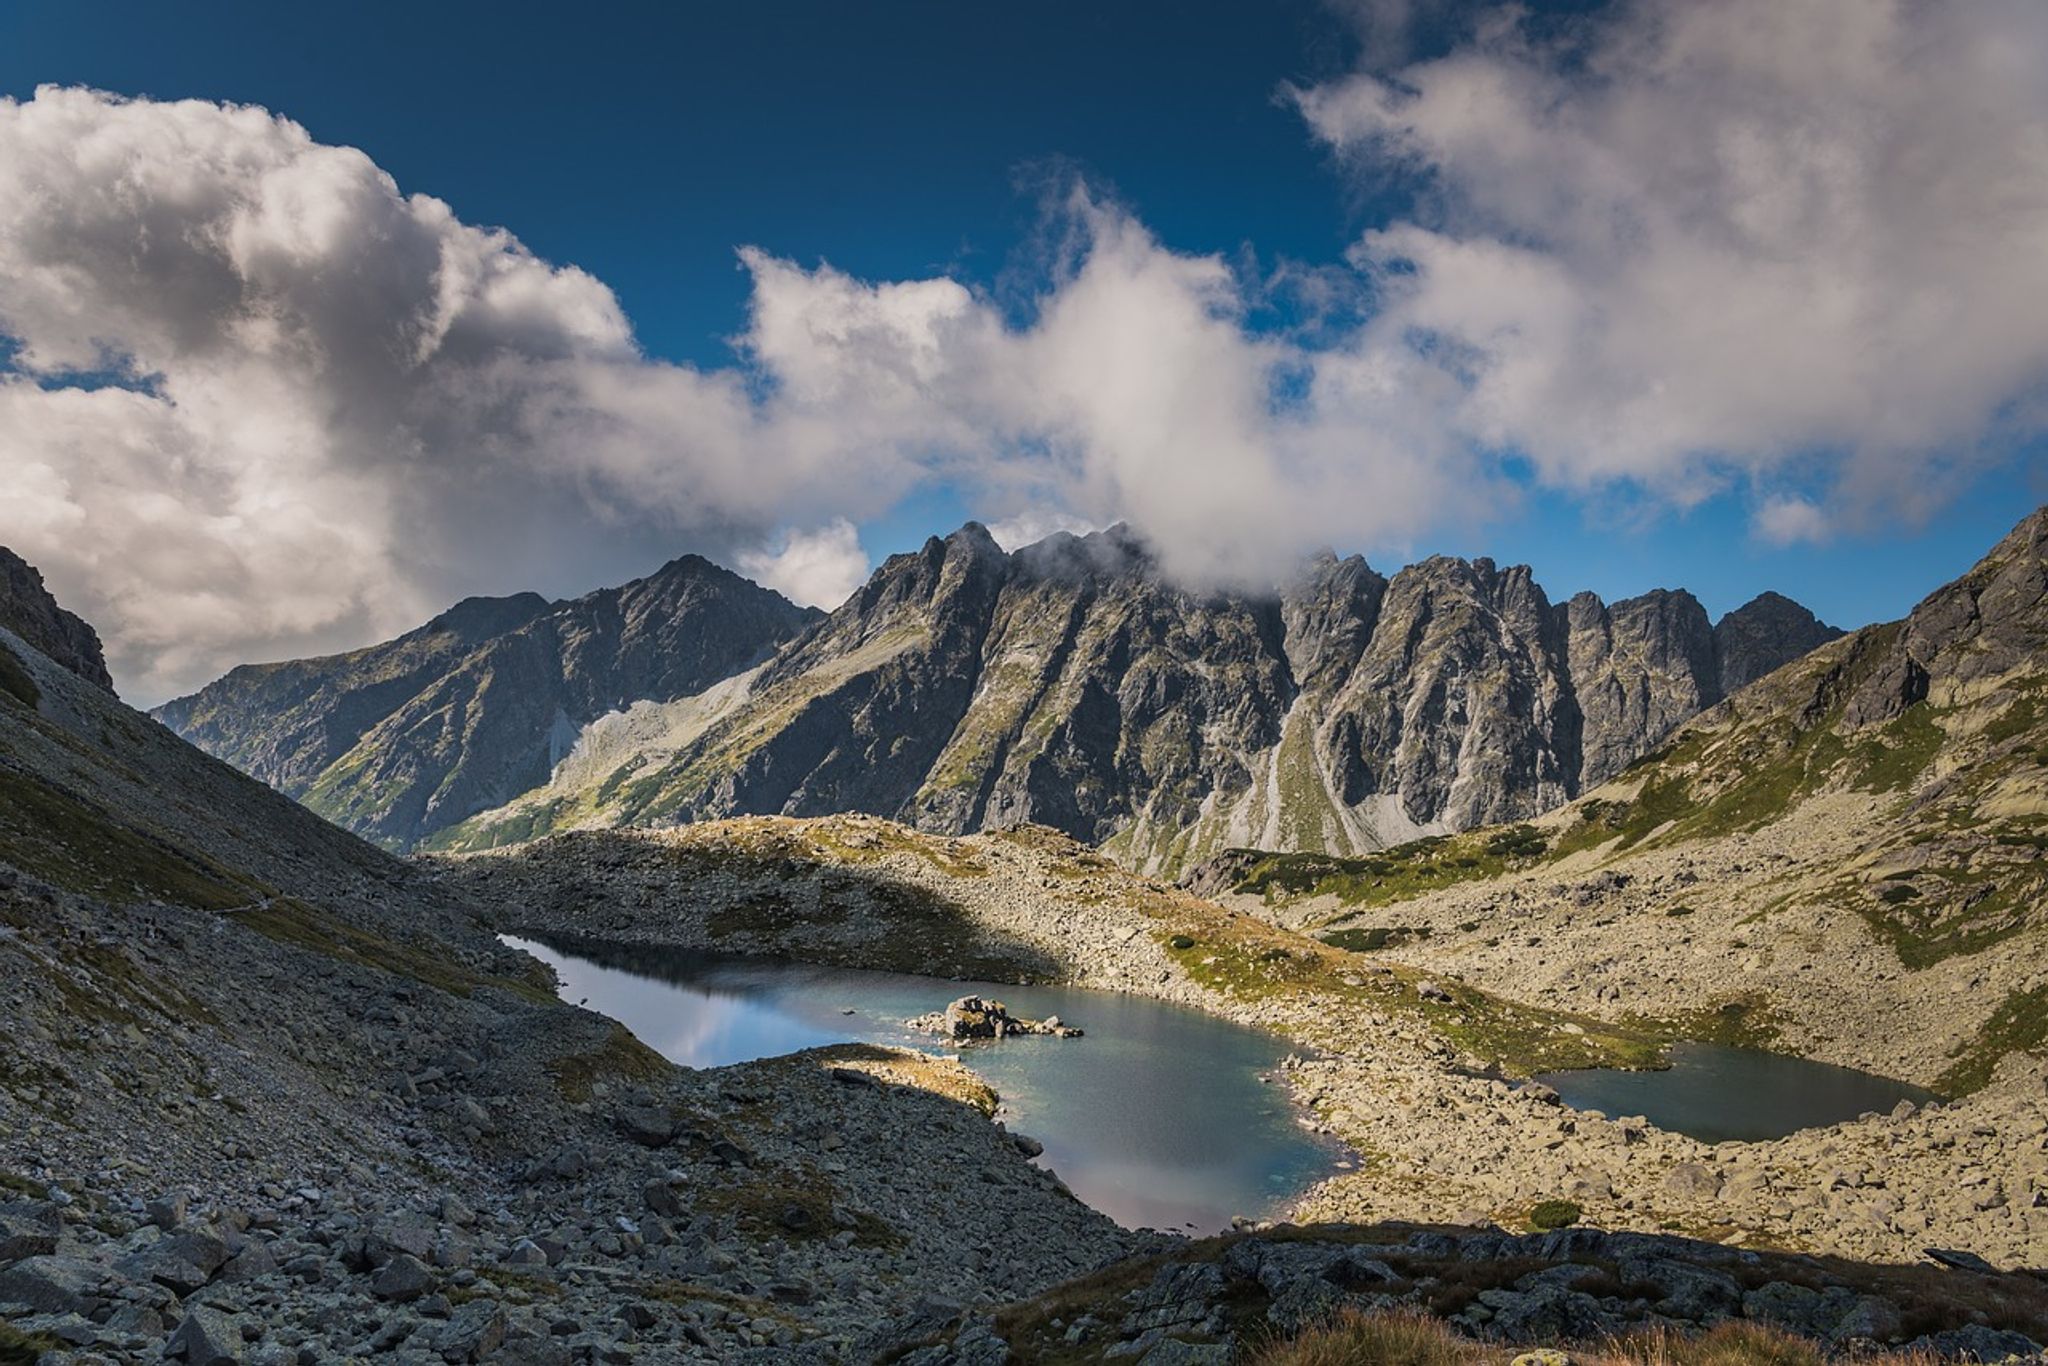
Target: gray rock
[167, 1212]
[28, 1230]
[1693, 1181]
[476, 1330]
[1977, 1343]
[51, 1284]
[403, 1278]
[648, 1125]
[253, 1261]
[660, 1197]
[1870, 1319]
[1174, 1352]
[207, 1337]
[1783, 1304]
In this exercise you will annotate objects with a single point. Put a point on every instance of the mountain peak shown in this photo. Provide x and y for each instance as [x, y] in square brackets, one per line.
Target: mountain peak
[28, 610]
[479, 618]
[1752, 640]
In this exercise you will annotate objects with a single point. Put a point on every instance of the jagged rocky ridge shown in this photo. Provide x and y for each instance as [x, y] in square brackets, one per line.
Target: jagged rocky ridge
[401, 739]
[1068, 684]
[28, 610]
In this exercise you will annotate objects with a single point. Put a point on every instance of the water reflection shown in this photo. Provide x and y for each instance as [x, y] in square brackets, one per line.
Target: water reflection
[1158, 1117]
[1715, 1093]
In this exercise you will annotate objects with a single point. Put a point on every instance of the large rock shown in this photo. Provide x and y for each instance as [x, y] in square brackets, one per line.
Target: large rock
[476, 1330]
[28, 1230]
[207, 1337]
[51, 1284]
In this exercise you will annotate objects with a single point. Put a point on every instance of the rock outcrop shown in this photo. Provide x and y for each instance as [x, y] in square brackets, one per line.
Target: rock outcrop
[973, 1018]
[1070, 685]
[28, 610]
[477, 706]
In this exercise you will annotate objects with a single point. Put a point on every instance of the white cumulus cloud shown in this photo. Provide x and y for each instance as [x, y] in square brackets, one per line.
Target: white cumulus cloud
[819, 568]
[1689, 239]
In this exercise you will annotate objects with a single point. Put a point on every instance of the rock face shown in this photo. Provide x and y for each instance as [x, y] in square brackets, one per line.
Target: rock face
[1754, 639]
[401, 739]
[28, 610]
[1070, 685]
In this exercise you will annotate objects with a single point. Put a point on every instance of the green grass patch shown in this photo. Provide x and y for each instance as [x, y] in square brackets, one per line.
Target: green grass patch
[15, 683]
[54, 835]
[2019, 1023]
[1517, 1039]
[286, 920]
[621, 1057]
[1375, 938]
[24, 1349]
[1552, 1214]
[1979, 901]
[796, 1206]
[1391, 875]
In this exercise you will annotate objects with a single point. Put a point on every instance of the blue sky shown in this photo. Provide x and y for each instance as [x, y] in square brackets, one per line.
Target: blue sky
[646, 144]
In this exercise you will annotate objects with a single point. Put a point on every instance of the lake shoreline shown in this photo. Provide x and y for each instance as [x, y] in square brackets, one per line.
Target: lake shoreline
[1389, 1075]
[1161, 1117]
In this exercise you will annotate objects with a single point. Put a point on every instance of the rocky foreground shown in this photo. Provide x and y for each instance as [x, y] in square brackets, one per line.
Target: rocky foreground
[270, 1095]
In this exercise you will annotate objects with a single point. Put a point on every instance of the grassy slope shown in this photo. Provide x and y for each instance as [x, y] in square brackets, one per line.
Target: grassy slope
[1949, 865]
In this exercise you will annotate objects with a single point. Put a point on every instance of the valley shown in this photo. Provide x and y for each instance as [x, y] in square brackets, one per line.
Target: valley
[278, 1096]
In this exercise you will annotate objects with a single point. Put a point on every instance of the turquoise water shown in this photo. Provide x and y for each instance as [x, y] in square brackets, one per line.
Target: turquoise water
[1716, 1094]
[1158, 1117]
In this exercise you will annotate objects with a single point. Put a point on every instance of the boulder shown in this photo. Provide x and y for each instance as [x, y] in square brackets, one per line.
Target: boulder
[648, 1125]
[976, 1017]
[475, 1331]
[1693, 1181]
[168, 1212]
[28, 1230]
[403, 1279]
[207, 1337]
[1977, 1343]
[51, 1284]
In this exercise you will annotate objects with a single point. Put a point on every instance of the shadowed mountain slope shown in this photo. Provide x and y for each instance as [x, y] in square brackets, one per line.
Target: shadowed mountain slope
[402, 739]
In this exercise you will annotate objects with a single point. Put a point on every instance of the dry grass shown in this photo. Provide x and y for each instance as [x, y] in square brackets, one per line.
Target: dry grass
[1409, 1339]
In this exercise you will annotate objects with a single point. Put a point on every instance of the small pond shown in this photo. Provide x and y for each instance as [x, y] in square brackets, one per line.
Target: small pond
[1158, 1116]
[1716, 1094]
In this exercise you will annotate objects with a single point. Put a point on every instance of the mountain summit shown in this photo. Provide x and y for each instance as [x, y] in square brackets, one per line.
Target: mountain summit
[399, 740]
[1071, 685]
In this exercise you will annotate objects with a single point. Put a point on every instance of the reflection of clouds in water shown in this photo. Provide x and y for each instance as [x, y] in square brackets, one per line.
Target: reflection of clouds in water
[1156, 1118]
[696, 1028]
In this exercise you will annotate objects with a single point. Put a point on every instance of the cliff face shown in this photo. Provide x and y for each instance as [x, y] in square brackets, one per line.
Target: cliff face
[1068, 684]
[28, 610]
[402, 739]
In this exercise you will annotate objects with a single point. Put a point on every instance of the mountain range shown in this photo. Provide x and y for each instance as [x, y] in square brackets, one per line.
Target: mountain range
[401, 739]
[1068, 684]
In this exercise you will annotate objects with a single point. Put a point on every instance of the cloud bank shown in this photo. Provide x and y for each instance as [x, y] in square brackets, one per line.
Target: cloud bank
[1692, 238]
[262, 401]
